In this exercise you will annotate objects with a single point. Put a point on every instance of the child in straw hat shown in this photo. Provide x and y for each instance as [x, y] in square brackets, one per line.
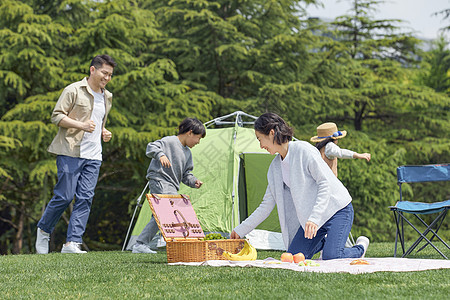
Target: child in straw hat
[326, 141]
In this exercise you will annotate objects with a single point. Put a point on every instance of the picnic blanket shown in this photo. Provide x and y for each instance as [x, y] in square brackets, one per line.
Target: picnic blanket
[388, 264]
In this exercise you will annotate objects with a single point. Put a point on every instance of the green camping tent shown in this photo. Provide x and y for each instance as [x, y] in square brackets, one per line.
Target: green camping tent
[233, 169]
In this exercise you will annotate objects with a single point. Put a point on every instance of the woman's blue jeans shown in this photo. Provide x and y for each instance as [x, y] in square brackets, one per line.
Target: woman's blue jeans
[330, 238]
[77, 177]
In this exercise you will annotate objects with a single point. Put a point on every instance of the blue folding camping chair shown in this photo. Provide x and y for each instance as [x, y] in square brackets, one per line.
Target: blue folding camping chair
[411, 174]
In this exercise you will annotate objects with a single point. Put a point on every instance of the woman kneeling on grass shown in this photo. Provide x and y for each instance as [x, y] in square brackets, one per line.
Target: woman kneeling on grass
[314, 207]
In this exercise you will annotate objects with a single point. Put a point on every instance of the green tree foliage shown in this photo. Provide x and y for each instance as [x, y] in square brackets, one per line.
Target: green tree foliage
[437, 74]
[378, 55]
[29, 58]
[205, 59]
[367, 38]
[149, 102]
[29, 65]
[445, 15]
[233, 48]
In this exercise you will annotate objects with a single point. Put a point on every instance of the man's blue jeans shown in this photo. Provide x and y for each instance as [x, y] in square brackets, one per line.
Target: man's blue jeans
[330, 238]
[77, 177]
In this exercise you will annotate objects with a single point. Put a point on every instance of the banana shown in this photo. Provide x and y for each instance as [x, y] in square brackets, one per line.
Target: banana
[247, 253]
[237, 256]
[253, 254]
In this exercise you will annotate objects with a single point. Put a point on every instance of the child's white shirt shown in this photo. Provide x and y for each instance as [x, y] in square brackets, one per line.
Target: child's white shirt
[332, 150]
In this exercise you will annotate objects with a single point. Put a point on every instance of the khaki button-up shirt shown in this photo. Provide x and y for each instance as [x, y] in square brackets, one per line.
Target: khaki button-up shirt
[76, 102]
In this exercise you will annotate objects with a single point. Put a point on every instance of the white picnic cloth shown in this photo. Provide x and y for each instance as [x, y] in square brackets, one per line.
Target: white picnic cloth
[387, 264]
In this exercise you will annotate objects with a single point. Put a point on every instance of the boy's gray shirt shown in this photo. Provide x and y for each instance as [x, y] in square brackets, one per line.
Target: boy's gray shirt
[179, 156]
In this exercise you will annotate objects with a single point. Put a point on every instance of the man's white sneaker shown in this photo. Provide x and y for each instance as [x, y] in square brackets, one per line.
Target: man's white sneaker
[72, 247]
[141, 248]
[42, 239]
[363, 241]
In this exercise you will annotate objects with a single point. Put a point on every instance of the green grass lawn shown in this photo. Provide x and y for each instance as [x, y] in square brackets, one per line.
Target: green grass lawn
[123, 275]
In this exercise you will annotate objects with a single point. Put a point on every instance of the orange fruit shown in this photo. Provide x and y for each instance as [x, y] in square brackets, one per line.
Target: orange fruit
[287, 257]
[299, 257]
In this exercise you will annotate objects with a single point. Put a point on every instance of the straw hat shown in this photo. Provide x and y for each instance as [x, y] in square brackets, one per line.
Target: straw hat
[328, 130]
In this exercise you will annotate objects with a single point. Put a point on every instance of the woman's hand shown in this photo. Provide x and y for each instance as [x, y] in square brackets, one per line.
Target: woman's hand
[310, 230]
[234, 235]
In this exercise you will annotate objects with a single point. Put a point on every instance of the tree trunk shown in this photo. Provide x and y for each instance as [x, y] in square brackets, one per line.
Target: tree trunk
[359, 115]
[5, 214]
[18, 238]
[358, 121]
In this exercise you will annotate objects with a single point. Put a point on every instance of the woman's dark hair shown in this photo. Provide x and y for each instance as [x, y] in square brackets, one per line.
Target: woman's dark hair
[193, 124]
[268, 121]
[323, 143]
[101, 60]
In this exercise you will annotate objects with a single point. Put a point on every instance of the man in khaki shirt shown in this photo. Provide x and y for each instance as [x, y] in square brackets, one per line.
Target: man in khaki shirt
[80, 114]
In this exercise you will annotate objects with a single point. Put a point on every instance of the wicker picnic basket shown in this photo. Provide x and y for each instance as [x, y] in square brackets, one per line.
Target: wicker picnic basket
[182, 232]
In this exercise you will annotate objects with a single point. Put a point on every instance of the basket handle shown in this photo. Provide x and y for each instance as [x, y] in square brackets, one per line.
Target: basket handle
[185, 223]
[185, 198]
[157, 198]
